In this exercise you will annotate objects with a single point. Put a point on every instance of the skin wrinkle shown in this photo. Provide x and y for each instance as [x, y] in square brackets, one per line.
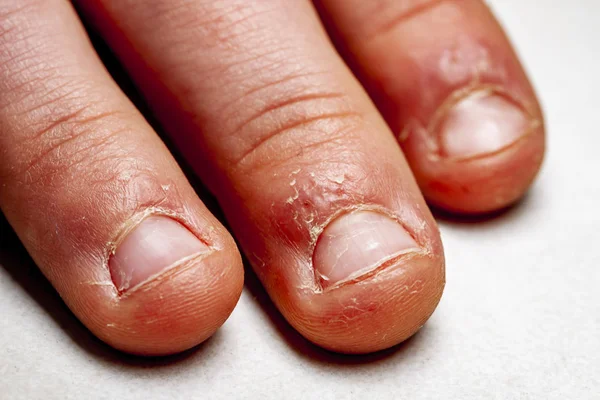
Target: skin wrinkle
[289, 101]
[229, 46]
[6, 14]
[32, 74]
[342, 137]
[25, 89]
[291, 127]
[254, 70]
[64, 95]
[103, 153]
[406, 12]
[94, 143]
[280, 67]
[289, 79]
[27, 63]
[23, 56]
[66, 91]
[221, 24]
[241, 64]
[13, 17]
[295, 109]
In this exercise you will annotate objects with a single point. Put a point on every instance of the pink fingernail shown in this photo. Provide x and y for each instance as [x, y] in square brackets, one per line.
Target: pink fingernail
[156, 244]
[356, 243]
[480, 124]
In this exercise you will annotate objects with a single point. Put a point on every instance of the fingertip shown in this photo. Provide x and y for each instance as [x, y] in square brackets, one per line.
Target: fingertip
[450, 85]
[482, 184]
[378, 307]
[376, 313]
[169, 313]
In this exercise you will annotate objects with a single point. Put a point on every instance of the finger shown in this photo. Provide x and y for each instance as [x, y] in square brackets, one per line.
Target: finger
[449, 84]
[95, 197]
[309, 176]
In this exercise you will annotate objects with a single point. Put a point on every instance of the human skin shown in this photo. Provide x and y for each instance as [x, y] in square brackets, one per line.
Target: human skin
[321, 128]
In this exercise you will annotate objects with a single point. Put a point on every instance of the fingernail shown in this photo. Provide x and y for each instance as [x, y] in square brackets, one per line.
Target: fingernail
[156, 244]
[356, 243]
[480, 124]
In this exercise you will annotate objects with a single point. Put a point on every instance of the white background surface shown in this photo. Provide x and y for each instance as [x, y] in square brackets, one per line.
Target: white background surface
[520, 317]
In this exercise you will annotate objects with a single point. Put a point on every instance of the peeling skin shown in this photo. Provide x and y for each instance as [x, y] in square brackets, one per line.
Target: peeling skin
[107, 284]
[466, 65]
[313, 198]
[293, 198]
[338, 179]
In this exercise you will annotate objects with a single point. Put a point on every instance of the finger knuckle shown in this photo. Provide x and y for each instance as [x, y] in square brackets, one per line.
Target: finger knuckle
[62, 137]
[296, 123]
[384, 16]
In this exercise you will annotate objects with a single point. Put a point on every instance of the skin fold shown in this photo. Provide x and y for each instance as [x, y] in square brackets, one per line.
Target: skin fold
[323, 130]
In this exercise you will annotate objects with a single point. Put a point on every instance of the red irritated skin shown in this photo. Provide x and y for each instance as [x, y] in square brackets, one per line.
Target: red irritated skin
[452, 89]
[350, 254]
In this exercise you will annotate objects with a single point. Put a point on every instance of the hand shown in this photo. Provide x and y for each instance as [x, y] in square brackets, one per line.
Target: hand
[316, 185]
